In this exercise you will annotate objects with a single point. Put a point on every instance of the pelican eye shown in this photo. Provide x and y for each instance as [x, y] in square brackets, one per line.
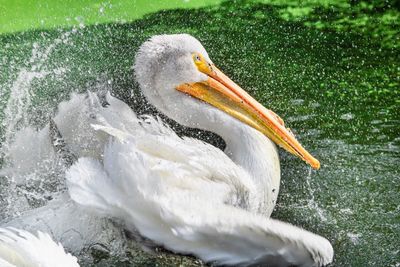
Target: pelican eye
[201, 63]
[196, 57]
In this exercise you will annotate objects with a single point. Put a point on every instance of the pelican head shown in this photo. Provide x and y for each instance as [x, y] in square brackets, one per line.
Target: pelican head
[177, 76]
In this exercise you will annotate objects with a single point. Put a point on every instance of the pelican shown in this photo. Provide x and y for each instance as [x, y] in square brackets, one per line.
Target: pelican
[181, 193]
[19, 248]
[184, 194]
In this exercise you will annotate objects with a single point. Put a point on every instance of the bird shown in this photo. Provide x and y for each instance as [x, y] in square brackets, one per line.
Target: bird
[20, 248]
[179, 192]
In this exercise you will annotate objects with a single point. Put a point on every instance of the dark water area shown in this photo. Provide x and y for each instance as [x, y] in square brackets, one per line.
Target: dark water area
[335, 82]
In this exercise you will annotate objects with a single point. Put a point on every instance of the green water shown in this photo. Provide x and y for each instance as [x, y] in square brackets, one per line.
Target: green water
[331, 71]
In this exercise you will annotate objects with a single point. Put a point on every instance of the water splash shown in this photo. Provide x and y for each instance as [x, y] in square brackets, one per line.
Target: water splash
[311, 200]
[30, 170]
[32, 175]
[21, 91]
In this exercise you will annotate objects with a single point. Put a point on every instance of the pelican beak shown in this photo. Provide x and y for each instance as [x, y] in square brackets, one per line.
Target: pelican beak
[221, 92]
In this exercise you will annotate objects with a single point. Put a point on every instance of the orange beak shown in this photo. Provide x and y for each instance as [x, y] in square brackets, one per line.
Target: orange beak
[221, 92]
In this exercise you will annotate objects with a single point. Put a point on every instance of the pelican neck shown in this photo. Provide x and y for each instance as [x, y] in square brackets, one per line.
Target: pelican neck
[255, 153]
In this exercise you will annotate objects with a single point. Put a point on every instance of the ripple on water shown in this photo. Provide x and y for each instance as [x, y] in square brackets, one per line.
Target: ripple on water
[347, 116]
[354, 238]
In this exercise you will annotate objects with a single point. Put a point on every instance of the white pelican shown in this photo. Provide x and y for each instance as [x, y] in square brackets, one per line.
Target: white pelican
[19, 248]
[181, 193]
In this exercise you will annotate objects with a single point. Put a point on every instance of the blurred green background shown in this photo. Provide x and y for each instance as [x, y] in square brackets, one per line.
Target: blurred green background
[378, 18]
[37, 14]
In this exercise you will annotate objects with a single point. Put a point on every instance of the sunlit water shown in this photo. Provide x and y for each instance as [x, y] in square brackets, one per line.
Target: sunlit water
[336, 91]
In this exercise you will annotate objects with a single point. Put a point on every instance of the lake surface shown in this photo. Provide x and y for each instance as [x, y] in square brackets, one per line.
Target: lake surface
[334, 80]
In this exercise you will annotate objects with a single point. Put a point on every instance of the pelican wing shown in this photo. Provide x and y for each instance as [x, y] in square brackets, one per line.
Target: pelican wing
[161, 148]
[180, 193]
[23, 249]
[75, 117]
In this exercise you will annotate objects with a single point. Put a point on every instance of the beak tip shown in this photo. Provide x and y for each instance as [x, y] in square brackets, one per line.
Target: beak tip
[315, 164]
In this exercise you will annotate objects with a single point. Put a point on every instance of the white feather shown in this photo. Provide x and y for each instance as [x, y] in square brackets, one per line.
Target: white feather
[20, 248]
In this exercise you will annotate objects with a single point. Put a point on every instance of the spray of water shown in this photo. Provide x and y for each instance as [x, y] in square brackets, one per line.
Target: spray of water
[29, 164]
[311, 199]
[34, 195]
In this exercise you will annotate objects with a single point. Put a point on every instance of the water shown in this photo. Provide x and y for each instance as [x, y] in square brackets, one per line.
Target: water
[337, 90]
